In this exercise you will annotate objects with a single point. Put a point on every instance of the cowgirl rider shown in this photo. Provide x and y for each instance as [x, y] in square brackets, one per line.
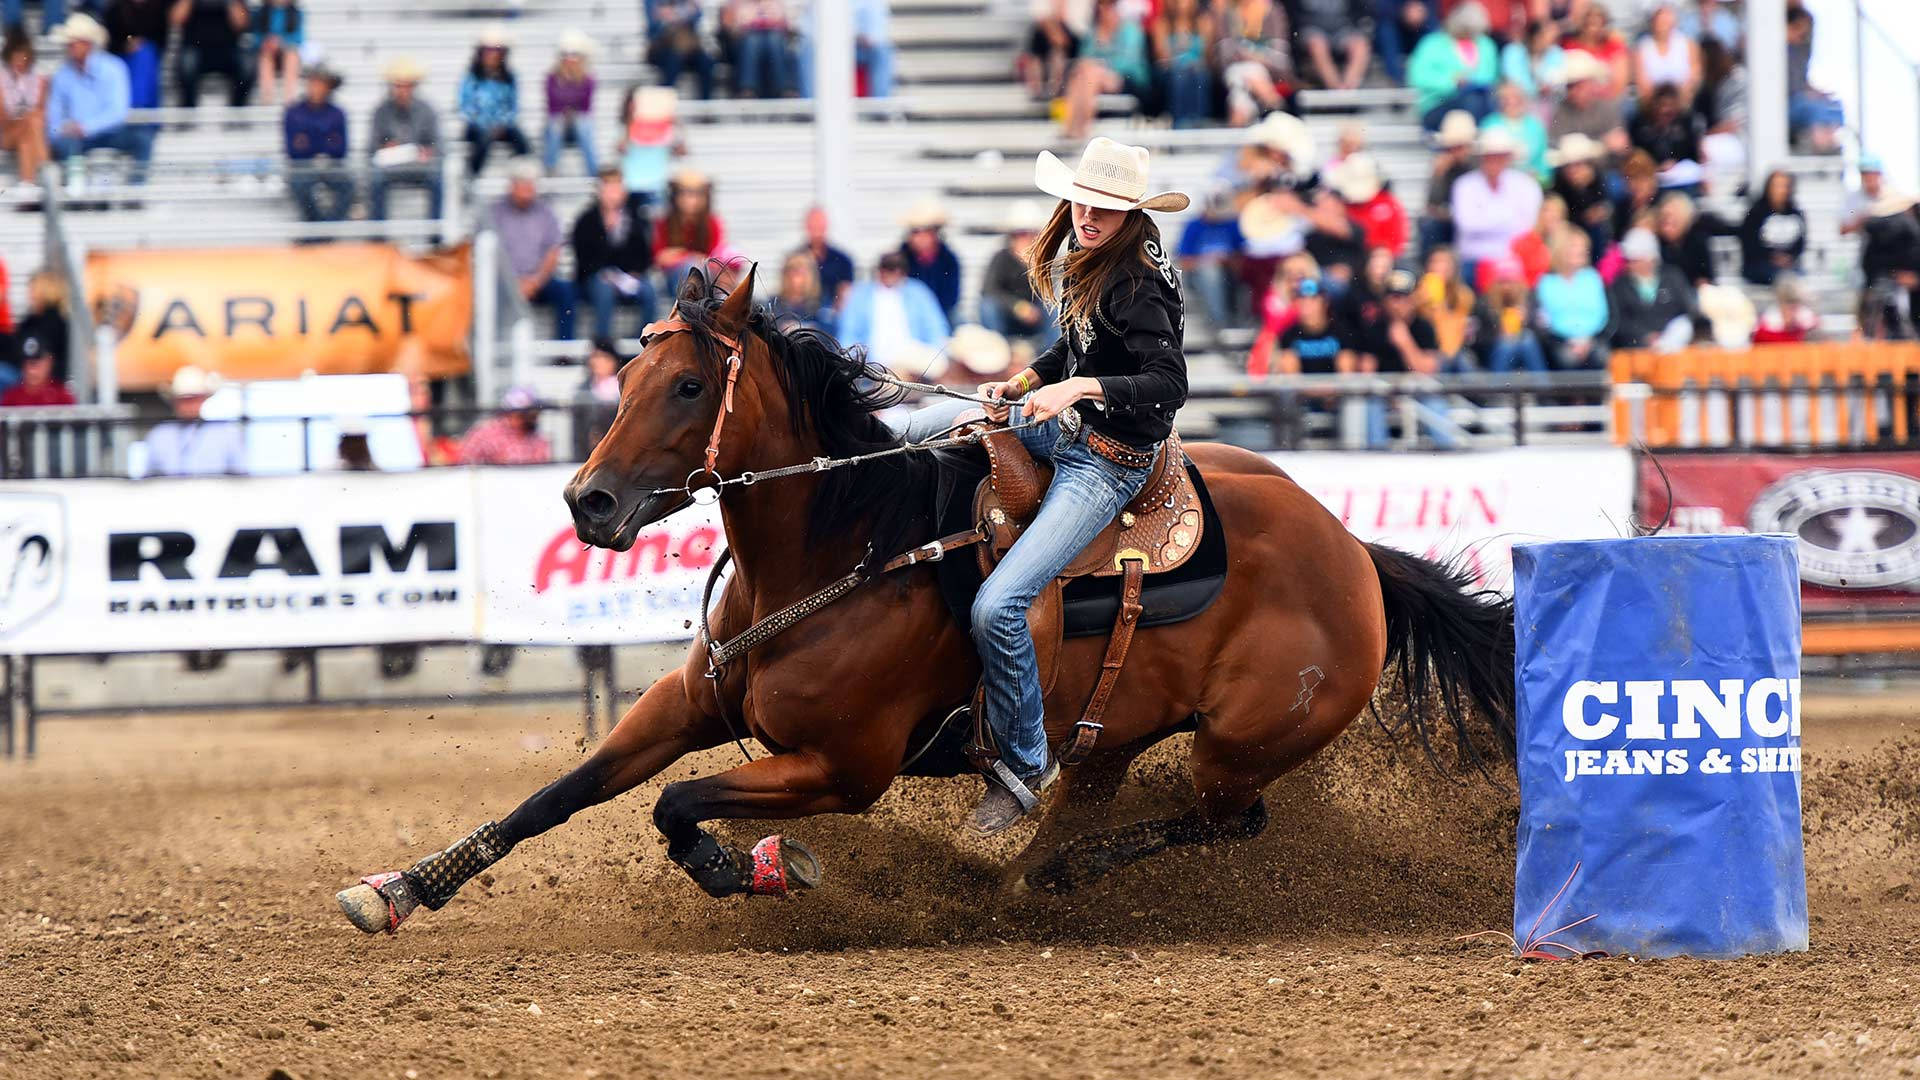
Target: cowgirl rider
[1102, 399]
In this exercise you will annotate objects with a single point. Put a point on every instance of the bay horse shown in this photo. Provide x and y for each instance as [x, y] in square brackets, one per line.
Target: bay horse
[1284, 659]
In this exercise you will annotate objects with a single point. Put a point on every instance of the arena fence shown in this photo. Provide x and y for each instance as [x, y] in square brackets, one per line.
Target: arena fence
[1839, 396]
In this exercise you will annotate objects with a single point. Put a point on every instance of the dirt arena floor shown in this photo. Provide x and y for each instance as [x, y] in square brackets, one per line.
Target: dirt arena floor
[168, 912]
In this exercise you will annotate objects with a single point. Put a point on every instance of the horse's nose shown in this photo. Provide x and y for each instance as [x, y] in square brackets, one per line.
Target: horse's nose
[597, 505]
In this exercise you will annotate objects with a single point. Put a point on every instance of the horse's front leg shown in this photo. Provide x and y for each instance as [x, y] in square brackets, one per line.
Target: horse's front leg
[660, 728]
[791, 785]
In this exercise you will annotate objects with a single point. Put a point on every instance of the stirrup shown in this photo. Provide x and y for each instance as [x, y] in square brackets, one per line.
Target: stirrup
[997, 772]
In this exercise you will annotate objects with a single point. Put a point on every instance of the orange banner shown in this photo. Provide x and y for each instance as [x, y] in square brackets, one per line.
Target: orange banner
[276, 313]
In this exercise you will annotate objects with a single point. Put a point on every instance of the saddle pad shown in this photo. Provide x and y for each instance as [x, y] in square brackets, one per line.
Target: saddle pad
[1092, 603]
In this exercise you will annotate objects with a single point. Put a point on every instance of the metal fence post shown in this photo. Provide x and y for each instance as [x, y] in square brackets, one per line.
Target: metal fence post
[486, 314]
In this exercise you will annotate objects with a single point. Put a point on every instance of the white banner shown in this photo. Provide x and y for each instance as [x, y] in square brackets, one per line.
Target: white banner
[1473, 506]
[544, 587]
[219, 563]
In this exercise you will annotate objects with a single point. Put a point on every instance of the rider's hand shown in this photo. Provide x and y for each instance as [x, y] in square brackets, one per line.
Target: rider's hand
[1002, 391]
[1050, 401]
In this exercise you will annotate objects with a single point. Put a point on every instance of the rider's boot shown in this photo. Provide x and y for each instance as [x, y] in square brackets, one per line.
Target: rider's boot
[383, 901]
[1009, 797]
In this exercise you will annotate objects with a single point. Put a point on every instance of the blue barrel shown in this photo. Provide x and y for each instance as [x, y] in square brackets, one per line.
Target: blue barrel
[1659, 746]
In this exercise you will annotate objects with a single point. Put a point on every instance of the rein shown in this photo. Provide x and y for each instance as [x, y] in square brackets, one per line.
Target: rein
[719, 654]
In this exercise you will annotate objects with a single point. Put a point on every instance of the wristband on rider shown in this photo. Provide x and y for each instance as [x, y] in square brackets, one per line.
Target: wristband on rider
[1025, 383]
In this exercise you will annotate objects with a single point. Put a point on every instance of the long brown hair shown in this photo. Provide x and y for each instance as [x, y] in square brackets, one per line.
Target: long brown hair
[1072, 279]
[694, 233]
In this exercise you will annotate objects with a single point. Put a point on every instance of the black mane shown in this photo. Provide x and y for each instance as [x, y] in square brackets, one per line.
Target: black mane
[831, 392]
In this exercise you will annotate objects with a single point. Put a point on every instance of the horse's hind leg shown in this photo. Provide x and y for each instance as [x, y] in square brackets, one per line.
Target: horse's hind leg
[1237, 752]
[781, 786]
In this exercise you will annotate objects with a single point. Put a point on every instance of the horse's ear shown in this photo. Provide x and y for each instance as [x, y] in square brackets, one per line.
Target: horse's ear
[733, 312]
[694, 289]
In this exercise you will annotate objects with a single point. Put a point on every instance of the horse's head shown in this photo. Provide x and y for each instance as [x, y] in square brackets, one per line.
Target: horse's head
[673, 428]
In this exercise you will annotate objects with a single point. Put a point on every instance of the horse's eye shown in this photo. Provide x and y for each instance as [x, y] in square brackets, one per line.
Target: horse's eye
[689, 388]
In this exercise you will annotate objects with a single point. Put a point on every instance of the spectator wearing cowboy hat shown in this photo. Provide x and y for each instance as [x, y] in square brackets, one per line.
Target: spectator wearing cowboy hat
[1578, 182]
[689, 233]
[896, 318]
[210, 33]
[279, 32]
[570, 104]
[1653, 305]
[188, 445]
[1452, 159]
[490, 101]
[530, 240]
[1515, 113]
[404, 141]
[1008, 305]
[929, 259]
[87, 103]
[1493, 204]
[1455, 67]
[648, 140]
[1586, 108]
[979, 355]
[1371, 205]
[316, 140]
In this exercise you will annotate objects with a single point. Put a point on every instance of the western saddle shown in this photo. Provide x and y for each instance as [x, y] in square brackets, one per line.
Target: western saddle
[1156, 532]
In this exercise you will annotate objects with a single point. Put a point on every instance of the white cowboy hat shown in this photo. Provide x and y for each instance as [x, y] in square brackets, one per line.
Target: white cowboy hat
[979, 350]
[656, 103]
[1026, 215]
[1731, 313]
[1287, 134]
[405, 69]
[1581, 66]
[1498, 142]
[1356, 178]
[576, 43]
[1264, 219]
[1890, 203]
[1457, 129]
[926, 213]
[81, 27]
[190, 382]
[917, 362]
[492, 36]
[1575, 147]
[1111, 176]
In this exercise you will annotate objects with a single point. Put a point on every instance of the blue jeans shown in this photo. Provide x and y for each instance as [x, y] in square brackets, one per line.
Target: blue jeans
[1214, 281]
[562, 130]
[1389, 40]
[1086, 494]
[766, 67]
[1189, 94]
[604, 297]
[134, 140]
[558, 294]
[672, 63]
[1477, 100]
[1523, 353]
[877, 59]
[382, 180]
[323, 194]
[1435, 232]
[1427, 407]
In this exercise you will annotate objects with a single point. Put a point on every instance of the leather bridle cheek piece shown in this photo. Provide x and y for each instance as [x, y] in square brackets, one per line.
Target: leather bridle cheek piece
[656, 330]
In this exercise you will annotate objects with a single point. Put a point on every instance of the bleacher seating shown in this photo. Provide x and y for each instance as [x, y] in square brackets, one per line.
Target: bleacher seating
[959, 128]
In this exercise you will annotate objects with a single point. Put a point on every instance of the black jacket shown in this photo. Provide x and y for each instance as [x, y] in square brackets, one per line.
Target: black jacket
[1889, 245]
[1132, 346]
[1767, 232]
[1637, 321]
[592, 252]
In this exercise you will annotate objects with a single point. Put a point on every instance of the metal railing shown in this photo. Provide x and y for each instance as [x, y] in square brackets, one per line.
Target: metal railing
[1354, 412]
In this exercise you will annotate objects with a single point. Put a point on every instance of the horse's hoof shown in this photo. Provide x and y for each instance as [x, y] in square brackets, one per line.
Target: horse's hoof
[781, 865]
[379, 903]
[1053, 876]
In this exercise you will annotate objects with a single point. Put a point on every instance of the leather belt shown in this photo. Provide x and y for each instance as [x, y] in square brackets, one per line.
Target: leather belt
[1120, 453]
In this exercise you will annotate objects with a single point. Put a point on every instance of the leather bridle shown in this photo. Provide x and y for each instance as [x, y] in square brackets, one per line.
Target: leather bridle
[653, 332]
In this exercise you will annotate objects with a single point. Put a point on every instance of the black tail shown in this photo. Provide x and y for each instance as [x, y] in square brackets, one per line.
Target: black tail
[1450, 641]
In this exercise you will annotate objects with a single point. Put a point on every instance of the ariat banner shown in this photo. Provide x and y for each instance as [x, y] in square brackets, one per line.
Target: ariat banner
[277, 313]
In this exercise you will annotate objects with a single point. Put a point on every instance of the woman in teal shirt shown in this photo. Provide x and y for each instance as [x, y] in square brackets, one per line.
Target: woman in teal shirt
[1572, 302]
[1455, 67]
[1113, 60]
